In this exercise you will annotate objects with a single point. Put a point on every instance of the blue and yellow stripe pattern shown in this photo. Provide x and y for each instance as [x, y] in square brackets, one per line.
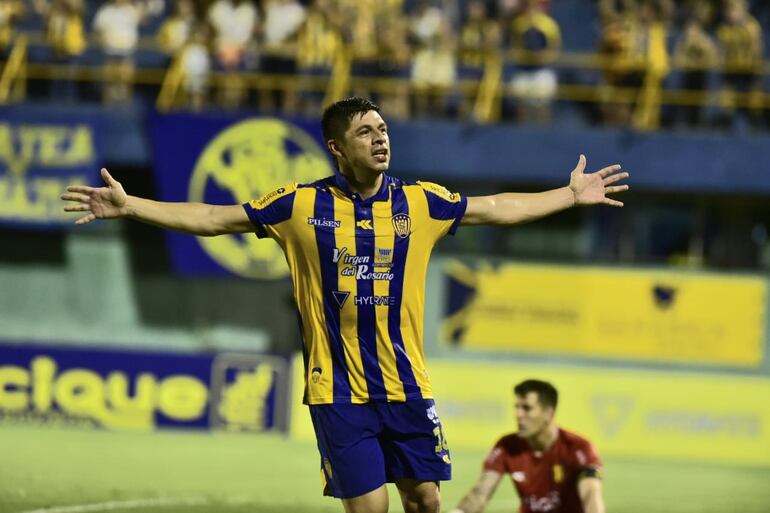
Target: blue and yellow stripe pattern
[358, 268]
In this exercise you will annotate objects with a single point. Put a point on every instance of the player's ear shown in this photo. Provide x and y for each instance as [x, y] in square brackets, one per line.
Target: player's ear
[334, 147]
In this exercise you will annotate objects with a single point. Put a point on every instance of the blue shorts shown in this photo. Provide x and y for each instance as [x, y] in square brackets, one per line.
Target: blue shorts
[364, 446]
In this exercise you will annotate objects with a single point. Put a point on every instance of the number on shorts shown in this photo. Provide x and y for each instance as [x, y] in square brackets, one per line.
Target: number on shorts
[441, 445]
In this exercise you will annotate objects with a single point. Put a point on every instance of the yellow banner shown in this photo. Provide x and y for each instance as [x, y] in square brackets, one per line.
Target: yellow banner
[639, 414]
[644, 415]
[607, 313]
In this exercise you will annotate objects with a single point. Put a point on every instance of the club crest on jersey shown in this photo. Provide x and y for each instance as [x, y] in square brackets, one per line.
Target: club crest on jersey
[402, 224]
[558, 473]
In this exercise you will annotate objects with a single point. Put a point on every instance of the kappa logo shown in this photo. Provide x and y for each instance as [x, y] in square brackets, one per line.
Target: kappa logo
[402, 225]
[365, 224]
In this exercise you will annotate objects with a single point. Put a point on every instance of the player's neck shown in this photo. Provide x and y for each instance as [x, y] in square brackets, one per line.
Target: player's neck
[365, 183]
[545, 439]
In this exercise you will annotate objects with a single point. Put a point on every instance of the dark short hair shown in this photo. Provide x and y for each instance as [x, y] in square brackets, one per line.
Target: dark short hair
[546, 392]
[336, 117]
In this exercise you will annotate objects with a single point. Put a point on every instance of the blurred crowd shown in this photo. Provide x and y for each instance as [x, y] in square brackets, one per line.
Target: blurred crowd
[488, 59]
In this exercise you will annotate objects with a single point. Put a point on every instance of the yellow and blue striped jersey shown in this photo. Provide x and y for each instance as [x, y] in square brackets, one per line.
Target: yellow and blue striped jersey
[358, 267]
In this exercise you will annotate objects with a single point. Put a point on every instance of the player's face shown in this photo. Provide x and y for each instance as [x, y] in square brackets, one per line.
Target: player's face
[531, 416]
[365, 145]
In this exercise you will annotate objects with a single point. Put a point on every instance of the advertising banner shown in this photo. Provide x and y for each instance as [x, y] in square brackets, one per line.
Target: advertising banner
[230, 160]
[653, 315]
[142, 390]
[647, 415]
[643, 415]
[40, 154]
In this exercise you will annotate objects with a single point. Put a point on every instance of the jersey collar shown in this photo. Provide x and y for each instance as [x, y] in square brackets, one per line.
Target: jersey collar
[382, 195]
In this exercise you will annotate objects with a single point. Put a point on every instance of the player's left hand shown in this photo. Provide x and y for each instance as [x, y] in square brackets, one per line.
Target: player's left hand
[593, 188]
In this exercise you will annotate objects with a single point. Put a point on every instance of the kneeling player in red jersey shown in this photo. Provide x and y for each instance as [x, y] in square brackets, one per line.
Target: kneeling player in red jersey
[553, 470]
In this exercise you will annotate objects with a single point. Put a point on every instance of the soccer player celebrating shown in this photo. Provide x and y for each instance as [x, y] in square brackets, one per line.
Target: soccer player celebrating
[357, 244]
[552, 469]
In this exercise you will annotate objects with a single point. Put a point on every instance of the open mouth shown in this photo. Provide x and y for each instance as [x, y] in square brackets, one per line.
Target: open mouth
[380, 155]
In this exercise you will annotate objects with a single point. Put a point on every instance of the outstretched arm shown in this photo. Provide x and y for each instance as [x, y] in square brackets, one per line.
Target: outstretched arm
[477, 498]
[112, 202]
[514, 208]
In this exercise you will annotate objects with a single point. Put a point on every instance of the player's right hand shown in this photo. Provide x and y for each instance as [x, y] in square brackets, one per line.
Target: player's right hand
[100, 202]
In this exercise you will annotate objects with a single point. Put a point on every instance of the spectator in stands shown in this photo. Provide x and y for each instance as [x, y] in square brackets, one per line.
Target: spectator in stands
[636, 61]
[359, 32]
[613, 50]
[394, 57]
[319, 42]
[651, 53]
[10, 11]
[283, 21]
[434, 68]
[740, 43]
[234, 23]
[480, 39]
[479, 35]
[696, 55]
[535, 43]
[176, 30]
[196, 66]
[184, 38]
[65, 33]
[116, 24]
[508, 10]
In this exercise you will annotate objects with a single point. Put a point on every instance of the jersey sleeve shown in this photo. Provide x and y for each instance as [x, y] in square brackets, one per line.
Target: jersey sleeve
[271, 210]
[588, 462]
[496, 459]
[446, 208]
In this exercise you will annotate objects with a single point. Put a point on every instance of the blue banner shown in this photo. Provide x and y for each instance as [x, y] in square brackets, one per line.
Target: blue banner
[224, 159]
[40, 154]
[142, 390]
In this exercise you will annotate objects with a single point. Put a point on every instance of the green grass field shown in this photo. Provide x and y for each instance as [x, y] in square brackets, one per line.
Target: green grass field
[57, 470]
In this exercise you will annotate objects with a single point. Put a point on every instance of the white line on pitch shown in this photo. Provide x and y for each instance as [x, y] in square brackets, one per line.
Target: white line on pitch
[129, 504]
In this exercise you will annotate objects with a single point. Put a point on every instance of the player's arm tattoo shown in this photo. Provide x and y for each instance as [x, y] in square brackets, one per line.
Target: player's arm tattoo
[477, 498]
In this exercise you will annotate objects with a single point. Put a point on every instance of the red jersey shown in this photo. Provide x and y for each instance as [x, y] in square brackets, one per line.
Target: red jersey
[546, 481]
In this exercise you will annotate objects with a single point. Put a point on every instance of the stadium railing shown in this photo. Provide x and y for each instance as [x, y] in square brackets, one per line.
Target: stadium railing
[486, 93]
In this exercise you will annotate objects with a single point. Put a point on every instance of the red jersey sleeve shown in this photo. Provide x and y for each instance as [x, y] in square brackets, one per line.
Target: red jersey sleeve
[497, 459]
[588, 462]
